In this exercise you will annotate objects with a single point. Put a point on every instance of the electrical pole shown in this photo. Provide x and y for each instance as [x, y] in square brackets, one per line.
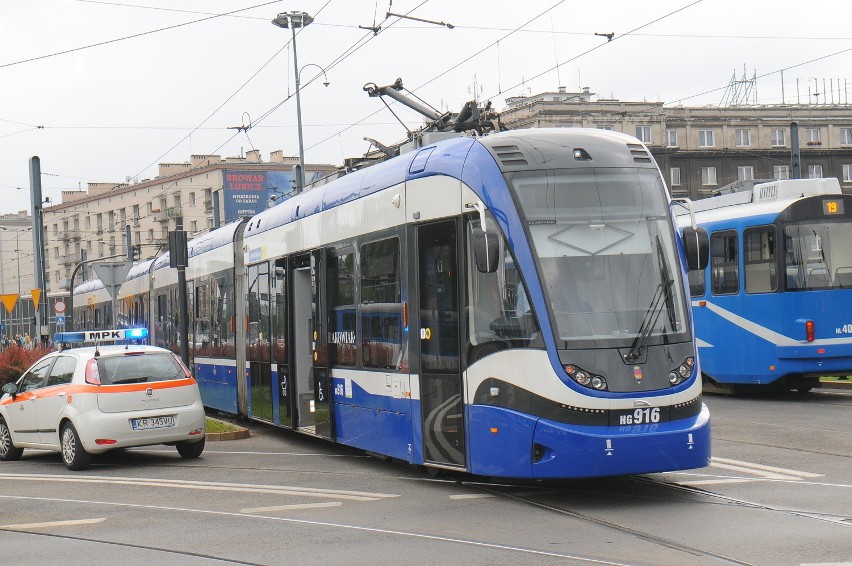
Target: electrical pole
[38, 245]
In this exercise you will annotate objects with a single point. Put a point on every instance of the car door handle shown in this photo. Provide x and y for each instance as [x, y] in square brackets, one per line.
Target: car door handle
[62, 394]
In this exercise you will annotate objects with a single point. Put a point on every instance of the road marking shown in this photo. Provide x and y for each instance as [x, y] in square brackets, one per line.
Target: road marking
[826, 564]
[27, 526]
[471, 496]
[290, 507]
[767, 468]
[761, 471]
[357, 528]
[207, 486]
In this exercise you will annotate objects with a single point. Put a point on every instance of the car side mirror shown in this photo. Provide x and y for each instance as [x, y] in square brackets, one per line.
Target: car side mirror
[11, 389]
[696, 247]
[486, 250]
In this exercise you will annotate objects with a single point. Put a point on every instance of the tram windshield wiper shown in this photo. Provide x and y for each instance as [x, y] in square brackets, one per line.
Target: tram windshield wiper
[662, 298]
[651, 316]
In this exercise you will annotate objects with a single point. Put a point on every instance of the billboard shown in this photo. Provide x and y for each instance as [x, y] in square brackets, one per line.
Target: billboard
[247, 193]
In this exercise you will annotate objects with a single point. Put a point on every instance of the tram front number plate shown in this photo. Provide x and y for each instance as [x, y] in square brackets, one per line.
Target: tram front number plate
[153, 422]
[639, 416]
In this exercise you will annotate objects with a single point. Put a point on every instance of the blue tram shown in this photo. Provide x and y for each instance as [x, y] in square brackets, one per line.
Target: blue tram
[512, 305]
[772, 307]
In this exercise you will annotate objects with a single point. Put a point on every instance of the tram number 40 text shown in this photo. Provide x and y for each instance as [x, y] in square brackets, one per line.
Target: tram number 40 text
[845, 329]
[641, 416]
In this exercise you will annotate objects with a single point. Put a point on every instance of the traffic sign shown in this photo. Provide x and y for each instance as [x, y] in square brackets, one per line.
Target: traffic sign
[60, 319]
[59, 307]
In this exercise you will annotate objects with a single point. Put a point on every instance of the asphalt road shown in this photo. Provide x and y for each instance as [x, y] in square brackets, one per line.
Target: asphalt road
[778, 492]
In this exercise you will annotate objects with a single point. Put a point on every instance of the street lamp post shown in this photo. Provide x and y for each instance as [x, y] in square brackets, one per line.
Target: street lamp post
[295, 20]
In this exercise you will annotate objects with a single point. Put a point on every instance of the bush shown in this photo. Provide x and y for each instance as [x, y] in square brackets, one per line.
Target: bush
[15, 360]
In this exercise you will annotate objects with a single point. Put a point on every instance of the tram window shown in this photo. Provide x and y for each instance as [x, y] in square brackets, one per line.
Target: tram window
[279, 312]
[499, 315]
[202, 320]
[761, 272]
[341, 300]
[724, 263]
[697, 282]
[257, 338]
[222, 304]
[381, 307]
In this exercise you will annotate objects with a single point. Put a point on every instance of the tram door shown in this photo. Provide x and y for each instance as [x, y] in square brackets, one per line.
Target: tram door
[441, 393]
[309, 372]
[258, 350]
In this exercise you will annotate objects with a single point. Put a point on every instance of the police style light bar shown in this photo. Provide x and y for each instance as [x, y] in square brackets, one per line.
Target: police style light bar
[101, 335]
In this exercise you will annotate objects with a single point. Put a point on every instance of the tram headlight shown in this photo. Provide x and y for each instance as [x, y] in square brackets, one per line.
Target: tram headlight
[585, 378]
[682, 372]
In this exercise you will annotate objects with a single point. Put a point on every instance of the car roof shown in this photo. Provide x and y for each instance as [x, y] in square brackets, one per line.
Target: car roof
[89, 351]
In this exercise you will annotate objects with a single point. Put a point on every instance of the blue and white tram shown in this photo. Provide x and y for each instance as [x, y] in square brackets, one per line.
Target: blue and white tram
[511, 306]
[772, 307]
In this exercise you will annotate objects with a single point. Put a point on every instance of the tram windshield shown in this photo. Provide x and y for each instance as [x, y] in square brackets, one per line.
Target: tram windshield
[606, 255]
[818, 255]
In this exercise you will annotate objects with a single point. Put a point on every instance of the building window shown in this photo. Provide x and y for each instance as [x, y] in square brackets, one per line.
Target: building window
[643, 133]
[150, 235]
[814, 171]
[743, 137]
[780, 171]
[193, 226]
[705, 139]
[675, 176]
[847, 173]
[671, 138]
[812, 136]
[605, 126]
[846, 136]
[778, 137]
[192, 199]
[708, 176]
[745, 173]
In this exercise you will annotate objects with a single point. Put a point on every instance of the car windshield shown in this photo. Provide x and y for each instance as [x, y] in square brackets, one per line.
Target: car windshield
[606, 255]
[818, 255]
[139, 368]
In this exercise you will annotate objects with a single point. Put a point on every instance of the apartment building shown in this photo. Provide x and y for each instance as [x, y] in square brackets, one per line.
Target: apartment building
[93, 223]
[702, 148]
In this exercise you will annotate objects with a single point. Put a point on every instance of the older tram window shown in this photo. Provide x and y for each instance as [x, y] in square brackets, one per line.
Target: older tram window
[341, 302]
[381, 307]
[761, 273]
[724, 263]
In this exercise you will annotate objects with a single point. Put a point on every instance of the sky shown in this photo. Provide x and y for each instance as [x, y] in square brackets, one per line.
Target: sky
[104, 91]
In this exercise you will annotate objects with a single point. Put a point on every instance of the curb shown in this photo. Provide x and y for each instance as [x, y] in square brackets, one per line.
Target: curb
[836, 384]
[238, 434]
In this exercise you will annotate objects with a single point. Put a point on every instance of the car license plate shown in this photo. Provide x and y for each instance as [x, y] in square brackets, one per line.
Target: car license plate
[152, 422]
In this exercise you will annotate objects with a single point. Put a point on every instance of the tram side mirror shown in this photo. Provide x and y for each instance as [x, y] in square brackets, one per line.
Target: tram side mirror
[486, 250]
[696, 245]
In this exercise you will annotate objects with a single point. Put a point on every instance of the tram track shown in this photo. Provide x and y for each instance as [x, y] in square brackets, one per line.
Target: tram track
[612, 525]
[129, 546]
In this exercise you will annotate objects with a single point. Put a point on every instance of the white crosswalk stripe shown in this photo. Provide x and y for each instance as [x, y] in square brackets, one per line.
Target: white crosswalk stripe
[759, 471]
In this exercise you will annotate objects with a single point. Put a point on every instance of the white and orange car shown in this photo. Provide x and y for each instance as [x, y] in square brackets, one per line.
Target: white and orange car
[85, 401]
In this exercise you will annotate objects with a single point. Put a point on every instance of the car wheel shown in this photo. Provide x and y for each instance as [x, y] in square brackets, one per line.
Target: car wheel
[8, 452]
[190, 450]
[73, 453]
